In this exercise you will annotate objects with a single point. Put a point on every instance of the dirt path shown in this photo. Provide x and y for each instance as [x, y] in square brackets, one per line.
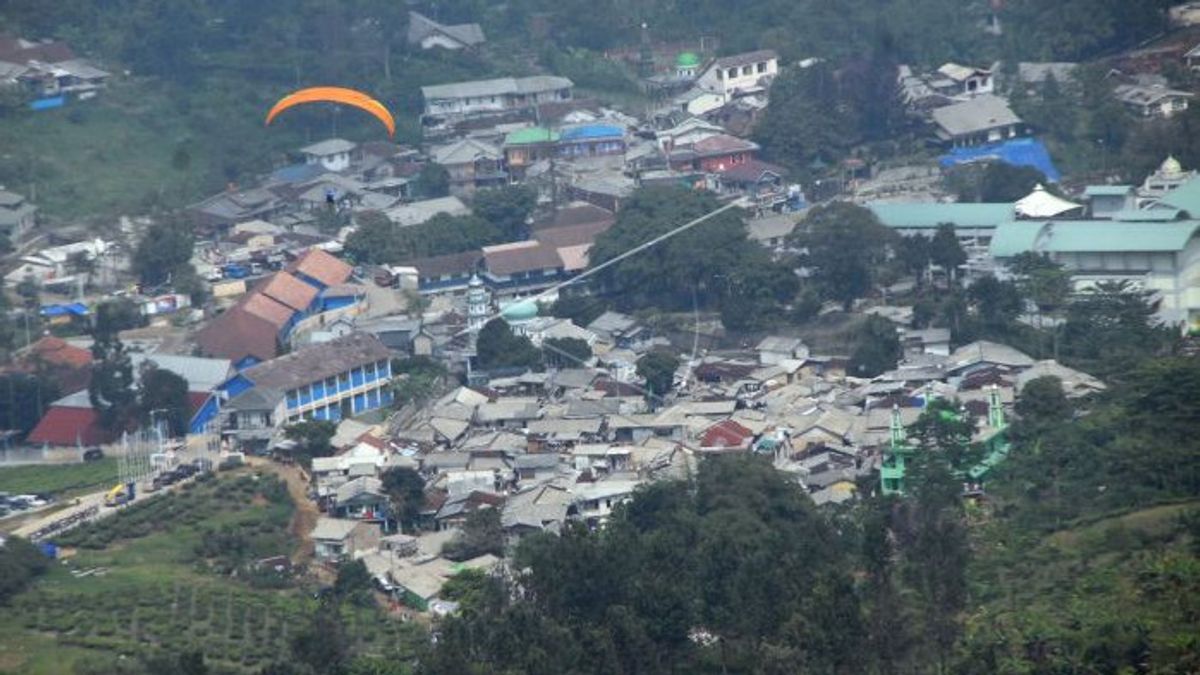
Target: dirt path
[305, 517]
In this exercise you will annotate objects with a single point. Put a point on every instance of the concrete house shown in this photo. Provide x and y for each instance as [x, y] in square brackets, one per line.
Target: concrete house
[341, 540]
[333, 154]
[17, 215]
[472, 164]
[1152, 101]
[740, 74]
[983, 119]
[476, 98]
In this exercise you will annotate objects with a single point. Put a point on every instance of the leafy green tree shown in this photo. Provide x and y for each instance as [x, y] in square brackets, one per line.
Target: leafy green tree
[507, 208]
[406, 491]
[1111, 328]
[111, 390]
[943, 430]
[1003, 182]
[658, 368]
[114, 316]
[312, 439]
[998, 303]
[566, 352]
[913, 255]
[163, 396]
[805, 119]
[30, 292]
[322, 646]
[580, 309]
[498, 347]
[845, 246]
[666, 276]
[378, 240]
[165, 246]
[946, 251]
[353, 583]
[25, 399]
[20, 563]
[877, 348]
[1042, 403]
[417, 379]
[480, 534]
[432, 182]
[1042, 280]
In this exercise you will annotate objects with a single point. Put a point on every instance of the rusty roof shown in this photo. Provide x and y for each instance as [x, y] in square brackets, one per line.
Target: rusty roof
[322, 266]
[289, 291]
[520, 256]
[270, 310]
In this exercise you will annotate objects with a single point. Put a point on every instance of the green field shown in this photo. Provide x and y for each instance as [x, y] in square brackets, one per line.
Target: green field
[61, 480]
[170, 585]
[1129, 582]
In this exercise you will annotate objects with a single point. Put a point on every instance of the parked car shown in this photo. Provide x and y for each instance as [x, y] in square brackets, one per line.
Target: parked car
[93, 454]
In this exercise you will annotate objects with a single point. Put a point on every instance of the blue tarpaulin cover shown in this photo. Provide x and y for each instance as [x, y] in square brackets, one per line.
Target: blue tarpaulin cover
[1018, 152]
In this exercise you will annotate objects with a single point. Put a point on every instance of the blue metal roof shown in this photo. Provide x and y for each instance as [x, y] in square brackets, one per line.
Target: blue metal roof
[1018, 152]
[591, 131]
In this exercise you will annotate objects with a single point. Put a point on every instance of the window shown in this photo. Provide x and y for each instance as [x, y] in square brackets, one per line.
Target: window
[746, 70]
[762, 66]
[732, 73]
[343, 381]
[331, 384]
[720, 74]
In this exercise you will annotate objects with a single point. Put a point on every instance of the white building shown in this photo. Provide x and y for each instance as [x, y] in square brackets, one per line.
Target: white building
[486, 97]
[1153, 101]
[953, 79]
[1155, 249]
[740, 74]
[334, 154]
[429, 34]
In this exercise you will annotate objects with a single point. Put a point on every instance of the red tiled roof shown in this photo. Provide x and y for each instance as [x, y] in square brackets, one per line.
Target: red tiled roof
[321, 266]
[726, 434]
[69, 426]
[238, 333]
[289, 290]
[56, 351]
[266, 308]
[751, 170]
[572, 235]
[578, 214]
[721, 144]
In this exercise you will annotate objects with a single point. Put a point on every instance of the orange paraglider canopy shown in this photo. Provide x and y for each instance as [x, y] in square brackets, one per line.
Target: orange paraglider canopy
[342, 95]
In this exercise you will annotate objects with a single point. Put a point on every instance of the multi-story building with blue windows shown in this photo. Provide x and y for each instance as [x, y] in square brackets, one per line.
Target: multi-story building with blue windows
[327, 381]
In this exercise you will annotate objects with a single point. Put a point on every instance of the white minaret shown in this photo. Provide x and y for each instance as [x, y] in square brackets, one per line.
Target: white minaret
[478, 304]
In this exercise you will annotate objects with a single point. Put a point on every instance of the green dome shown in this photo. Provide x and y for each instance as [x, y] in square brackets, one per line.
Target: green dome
[687, 60]
[523, 310]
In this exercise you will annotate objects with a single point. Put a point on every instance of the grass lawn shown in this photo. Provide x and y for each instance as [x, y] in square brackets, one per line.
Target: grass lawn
[61, 480]
[100, 158]
[169, 585]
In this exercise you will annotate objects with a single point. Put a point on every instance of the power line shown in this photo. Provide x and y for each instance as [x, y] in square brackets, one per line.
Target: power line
[553, 290]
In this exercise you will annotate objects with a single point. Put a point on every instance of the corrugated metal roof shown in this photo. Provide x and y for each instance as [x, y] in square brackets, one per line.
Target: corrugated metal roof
[530, 136]
[930, 215]
[322, 266]
[1091, 236]
[289, 290]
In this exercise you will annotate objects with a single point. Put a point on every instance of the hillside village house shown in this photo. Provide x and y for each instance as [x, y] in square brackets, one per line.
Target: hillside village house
[953, 79]
[17, 215]
[429, 34]
[983, 119]
[485, 97]
[333, 154]
[740, 74]
[1153, 101]
[471, 164]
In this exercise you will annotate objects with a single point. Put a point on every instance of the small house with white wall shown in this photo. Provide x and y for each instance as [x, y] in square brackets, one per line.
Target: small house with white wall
[333, 154]
[740, 74]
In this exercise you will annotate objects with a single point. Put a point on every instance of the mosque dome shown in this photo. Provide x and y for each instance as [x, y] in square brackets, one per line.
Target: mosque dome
[522, 310]
[687, 60]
